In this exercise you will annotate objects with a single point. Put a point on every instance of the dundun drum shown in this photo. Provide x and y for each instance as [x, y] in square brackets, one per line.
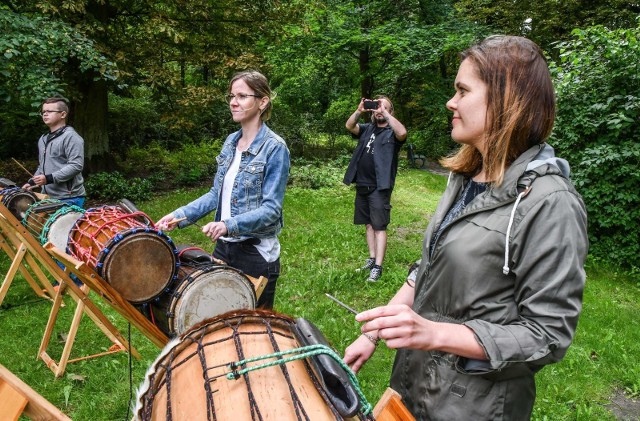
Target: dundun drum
[17, 200]
[37, 215]
[51, 220]
[188, 380]
[202, 291]
[125, 249]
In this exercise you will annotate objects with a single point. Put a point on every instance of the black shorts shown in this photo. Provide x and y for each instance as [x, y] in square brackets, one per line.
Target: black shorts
[372, 207]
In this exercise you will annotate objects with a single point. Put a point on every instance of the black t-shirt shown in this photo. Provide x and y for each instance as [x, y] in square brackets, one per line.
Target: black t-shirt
[366, 172]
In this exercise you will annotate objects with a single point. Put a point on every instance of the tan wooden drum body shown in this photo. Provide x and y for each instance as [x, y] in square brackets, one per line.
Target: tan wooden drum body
[189, 378]
[17, 200]
[131, 255]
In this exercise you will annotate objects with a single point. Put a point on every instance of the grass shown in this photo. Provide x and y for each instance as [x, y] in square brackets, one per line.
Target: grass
[320, 250]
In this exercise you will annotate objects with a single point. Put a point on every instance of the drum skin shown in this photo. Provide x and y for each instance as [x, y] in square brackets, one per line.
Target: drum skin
[17, 200]
[59, 225]
[137, 260]
[201, 293]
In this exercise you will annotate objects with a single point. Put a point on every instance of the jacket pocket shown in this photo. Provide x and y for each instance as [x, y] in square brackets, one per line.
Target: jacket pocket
[253, 178]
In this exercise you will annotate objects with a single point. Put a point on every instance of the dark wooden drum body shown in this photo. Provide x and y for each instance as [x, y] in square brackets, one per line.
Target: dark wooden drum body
[51, 220]
[17, 200]
[136, 259]
[190, 379]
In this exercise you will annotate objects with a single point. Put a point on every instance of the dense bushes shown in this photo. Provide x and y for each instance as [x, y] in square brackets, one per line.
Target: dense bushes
[598, 130]
[317, 174]
[147, 169]
[114, 186]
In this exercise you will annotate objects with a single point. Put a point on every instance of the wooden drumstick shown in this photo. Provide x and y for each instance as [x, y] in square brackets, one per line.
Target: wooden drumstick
[184, 218]
[20, 165]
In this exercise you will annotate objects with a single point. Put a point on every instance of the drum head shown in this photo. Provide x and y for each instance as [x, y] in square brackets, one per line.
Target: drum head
[19, 202]
[209, 293]
[139, 265]
[60, 227]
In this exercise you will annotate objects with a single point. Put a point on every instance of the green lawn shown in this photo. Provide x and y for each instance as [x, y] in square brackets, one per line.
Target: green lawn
[320, 250]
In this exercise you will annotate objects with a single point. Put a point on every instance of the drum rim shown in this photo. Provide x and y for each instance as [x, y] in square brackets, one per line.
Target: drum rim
[14, 192]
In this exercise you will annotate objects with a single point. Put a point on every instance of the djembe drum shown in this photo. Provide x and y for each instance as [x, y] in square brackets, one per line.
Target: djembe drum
[247, 365]
[17, 200]
[51, 220]
[124, 248]
[202, 290]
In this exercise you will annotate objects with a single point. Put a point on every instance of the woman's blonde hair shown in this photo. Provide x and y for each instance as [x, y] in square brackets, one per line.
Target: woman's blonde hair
[258, 82]
[520, 104]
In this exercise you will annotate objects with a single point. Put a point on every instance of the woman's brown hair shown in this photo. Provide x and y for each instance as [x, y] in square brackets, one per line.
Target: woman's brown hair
[520, 104]
[258, 82]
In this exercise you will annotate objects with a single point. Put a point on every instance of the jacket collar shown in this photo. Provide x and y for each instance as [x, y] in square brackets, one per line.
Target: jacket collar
[257, 143]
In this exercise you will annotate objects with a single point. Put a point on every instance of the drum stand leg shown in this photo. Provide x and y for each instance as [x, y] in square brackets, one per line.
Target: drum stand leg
[84, 305]
[102, 288]
[18, 253]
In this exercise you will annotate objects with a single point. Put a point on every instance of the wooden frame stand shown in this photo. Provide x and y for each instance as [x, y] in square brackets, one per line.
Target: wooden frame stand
[17, 398]
[21, 246]
[391, 408]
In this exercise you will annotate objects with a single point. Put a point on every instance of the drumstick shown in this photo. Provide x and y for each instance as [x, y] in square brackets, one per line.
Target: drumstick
[27, 171]
[343, 305]
[184, 218]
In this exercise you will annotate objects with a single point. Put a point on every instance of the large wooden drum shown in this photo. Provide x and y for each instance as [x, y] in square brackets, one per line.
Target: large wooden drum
[124, 248]
[196, 376]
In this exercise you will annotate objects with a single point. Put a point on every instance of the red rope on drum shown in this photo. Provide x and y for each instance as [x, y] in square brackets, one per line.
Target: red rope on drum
[122, 217]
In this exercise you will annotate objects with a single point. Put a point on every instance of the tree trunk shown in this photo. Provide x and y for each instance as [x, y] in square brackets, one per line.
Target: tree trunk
[90, 121]
[366, 85]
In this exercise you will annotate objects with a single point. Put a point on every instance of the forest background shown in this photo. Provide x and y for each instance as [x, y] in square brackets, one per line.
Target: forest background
[146, 80]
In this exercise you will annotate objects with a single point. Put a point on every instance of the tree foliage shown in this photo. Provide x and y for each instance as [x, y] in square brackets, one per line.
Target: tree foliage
[598, 127]
[35, 52]
[549, 21]
[345, 50]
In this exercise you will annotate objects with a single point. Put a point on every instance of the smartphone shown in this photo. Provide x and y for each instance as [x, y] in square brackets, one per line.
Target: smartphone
[370, 105]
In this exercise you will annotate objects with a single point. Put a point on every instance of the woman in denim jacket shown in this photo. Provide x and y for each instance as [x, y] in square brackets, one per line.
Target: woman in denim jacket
[248, 188]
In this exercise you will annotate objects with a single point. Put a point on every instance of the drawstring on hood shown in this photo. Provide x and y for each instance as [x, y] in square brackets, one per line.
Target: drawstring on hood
[546, 156]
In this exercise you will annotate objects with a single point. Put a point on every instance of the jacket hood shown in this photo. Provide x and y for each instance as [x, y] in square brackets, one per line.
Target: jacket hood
[547, 155]
[544, 156]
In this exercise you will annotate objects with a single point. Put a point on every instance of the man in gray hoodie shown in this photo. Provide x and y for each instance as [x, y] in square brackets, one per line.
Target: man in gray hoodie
[60, 156]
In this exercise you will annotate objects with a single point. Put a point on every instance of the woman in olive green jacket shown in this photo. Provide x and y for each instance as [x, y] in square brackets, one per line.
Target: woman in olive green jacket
[499, 288]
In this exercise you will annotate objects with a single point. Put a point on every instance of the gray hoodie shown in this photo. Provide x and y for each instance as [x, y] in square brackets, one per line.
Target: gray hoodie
[509, 267]
[62, 160]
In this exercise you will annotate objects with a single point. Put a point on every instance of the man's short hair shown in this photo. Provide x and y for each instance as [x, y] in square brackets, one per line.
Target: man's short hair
[64, 103]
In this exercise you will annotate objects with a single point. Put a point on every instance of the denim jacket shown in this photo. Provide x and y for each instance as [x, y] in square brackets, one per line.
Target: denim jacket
[258, 190]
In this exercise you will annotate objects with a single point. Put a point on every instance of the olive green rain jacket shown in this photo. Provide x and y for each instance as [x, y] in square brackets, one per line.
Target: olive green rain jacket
[510, 267]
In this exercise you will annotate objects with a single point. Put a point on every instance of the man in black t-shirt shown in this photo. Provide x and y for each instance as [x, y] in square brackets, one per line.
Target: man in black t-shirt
[373, 168]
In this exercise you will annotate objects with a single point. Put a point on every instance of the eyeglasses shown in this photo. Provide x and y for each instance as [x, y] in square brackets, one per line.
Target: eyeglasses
[239, 97]
[43, 112]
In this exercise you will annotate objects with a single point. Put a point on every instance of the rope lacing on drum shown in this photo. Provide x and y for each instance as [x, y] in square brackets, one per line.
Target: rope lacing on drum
[302, 353]
[68, 208]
